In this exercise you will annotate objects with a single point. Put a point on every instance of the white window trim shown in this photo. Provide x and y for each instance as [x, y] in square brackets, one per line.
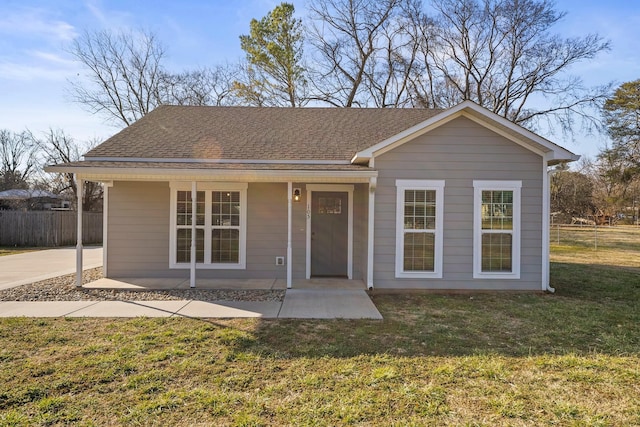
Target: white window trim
[208, 187]
[478, 188]
[410, 184]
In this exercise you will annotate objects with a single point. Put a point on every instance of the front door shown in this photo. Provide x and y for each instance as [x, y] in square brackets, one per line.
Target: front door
[329, 233]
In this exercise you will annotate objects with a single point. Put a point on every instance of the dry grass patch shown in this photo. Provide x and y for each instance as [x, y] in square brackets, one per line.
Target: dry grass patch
[11, 250]
[615, 246]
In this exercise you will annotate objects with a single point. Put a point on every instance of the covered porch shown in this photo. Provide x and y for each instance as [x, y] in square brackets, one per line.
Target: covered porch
[276, 227]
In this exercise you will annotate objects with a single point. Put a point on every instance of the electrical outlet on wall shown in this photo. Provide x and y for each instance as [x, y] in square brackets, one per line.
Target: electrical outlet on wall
[279, 260]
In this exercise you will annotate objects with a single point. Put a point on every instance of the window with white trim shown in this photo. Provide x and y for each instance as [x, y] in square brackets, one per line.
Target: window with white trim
[419, 222]
[496, 249]
[220, 225]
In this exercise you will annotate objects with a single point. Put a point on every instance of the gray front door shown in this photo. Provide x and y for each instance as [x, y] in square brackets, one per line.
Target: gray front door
[329, 233]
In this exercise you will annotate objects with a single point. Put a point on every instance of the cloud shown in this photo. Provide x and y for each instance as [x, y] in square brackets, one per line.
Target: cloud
[36, 23]
[37, 65]
[108, 18]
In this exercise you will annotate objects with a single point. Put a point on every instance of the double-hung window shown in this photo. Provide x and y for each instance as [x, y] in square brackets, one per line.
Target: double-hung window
[496, 240]
[221, 211]
[419, 222]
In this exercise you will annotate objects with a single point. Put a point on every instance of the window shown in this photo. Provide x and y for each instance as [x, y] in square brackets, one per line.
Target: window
[496, 249]
[419, 222]
[220, 225]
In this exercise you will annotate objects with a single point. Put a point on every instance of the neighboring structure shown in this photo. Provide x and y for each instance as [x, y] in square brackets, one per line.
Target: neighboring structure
[31, 200]
[395, 198]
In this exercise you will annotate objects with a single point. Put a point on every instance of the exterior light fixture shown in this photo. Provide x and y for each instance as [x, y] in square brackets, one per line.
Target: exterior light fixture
[297, 194]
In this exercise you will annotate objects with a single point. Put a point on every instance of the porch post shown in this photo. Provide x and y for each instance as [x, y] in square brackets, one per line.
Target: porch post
[289, 225]
[370, 228]
[194, 217]
[105, 224]
[79, 192]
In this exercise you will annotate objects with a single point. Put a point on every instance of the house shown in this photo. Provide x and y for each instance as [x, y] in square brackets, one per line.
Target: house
[21, 199]
[392, 198]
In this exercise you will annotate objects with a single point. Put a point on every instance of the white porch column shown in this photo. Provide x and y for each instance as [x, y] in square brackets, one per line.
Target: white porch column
[105, 224]
[370, 229]
[79, 192]
[194, 217]
[289, 225]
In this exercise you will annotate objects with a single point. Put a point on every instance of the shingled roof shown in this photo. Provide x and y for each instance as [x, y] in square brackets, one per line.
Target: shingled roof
[257, 133]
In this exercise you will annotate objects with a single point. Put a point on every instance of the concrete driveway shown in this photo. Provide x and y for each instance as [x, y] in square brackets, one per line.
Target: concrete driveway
[20, 269]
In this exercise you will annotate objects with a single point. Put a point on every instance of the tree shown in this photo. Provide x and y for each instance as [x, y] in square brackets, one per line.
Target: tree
[17, 160]
[622, 119]
[501, 54]
[571, 193]
[274, 49]
[205, 86]
[358, 51]
[125, 71]
[127, 78]
[57, 147]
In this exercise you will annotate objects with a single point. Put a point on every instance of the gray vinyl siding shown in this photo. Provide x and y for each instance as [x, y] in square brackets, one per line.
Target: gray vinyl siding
[139, 227]
[138, 230]
[459, 152]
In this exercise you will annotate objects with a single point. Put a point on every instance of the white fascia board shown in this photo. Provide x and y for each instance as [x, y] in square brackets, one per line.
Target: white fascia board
[478, 114]
[151, 174]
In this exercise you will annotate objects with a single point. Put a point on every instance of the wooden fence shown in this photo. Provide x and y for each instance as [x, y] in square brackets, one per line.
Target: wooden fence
[48, 228]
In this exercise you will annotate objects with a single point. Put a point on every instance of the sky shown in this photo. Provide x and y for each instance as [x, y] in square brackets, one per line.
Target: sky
[35, 66]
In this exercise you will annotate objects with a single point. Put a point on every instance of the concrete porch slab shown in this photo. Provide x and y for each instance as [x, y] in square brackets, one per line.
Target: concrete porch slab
[139, 284]
[328, 304]
[150, 283]
[230, 309]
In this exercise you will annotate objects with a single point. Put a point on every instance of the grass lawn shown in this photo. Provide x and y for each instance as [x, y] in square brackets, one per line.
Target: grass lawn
[10, 250]
[568, 359]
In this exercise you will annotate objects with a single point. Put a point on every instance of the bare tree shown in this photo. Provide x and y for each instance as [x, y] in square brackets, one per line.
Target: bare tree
[501, 54]
[17, 159]
[358, 44]
[124, 73]
[571, 193]
[205, 86]
[57, 147]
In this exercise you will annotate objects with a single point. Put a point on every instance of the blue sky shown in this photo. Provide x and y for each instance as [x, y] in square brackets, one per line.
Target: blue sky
[35, 67]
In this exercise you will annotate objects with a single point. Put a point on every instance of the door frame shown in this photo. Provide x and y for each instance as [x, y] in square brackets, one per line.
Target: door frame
[344, 188]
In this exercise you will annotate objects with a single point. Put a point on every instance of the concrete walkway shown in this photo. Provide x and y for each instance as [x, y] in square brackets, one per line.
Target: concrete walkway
[29, 267]
[328, 301]
[297, 304]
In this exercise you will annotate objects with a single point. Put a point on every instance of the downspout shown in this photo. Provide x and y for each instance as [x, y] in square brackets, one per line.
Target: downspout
[79, 192]
[546, 213]
[289, 225]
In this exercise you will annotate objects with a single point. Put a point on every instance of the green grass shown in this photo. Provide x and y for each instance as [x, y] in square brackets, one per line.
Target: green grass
[568, 359]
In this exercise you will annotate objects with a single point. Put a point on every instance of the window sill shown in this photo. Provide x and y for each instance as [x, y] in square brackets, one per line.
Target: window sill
[496, 275]
[200, 266]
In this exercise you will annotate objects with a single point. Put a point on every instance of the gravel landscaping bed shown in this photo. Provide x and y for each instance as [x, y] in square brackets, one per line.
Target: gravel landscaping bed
[63, 289]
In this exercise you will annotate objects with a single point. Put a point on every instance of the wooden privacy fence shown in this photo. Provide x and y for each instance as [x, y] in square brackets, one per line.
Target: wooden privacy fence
[48, 228]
